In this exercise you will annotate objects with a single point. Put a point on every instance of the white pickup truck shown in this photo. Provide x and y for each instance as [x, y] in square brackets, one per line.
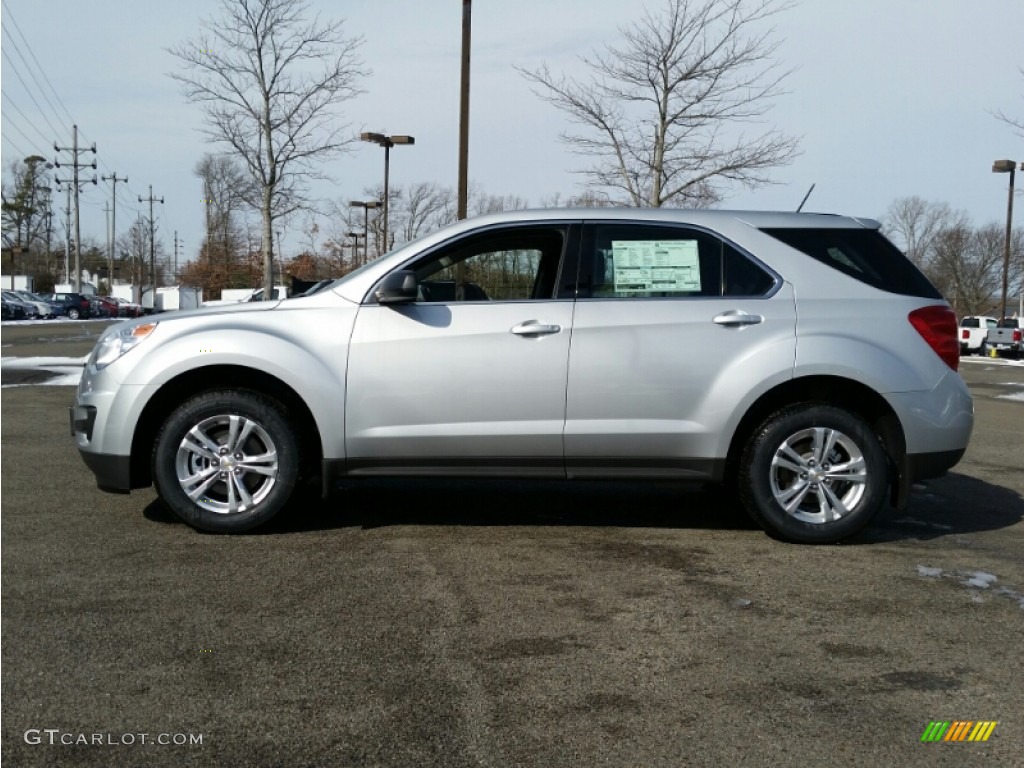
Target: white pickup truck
[973, 332]
[1007, 337]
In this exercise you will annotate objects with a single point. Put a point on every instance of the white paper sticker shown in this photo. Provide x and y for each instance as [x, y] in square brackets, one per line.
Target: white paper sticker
[656, 266]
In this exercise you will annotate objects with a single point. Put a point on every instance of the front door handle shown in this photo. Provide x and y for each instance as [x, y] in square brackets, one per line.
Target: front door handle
[535, 328]
[736, 317]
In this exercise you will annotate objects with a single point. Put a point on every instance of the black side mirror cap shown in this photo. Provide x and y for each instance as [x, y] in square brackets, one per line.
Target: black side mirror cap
[399, 287]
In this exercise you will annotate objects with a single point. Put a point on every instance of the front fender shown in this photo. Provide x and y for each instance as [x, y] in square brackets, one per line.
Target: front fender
[309, 355]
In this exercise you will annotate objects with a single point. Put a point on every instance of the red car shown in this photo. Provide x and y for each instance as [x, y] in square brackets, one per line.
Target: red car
[129, 308]
[111, 306]
[106, 306]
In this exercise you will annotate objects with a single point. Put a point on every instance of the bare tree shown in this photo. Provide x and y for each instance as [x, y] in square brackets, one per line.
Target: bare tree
[132, 253]
[423, 207]
[663, 114]
[1016, 123]
[227, 190]
[268, 79]
[966, 264]
[914, 223]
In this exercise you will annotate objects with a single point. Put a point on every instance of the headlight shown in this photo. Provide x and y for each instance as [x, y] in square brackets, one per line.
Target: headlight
[111, 347]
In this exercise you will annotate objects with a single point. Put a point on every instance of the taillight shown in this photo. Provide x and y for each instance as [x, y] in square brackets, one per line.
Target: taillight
[1017, 335]
[965, 335]
[937, 326]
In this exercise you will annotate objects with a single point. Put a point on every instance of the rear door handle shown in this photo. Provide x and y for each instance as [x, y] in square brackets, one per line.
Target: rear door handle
[736, 317]
[535, 328]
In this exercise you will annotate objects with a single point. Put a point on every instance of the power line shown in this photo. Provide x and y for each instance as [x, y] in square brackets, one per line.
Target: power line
[20, 150]
[31, 141]
[34, 78]
[28, 90]
[15, 107]
[42, 71]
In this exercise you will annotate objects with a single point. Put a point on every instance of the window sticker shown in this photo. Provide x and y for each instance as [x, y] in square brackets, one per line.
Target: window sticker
[656, 266]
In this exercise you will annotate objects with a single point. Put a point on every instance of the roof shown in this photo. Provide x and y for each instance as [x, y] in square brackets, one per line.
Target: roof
[758, 219]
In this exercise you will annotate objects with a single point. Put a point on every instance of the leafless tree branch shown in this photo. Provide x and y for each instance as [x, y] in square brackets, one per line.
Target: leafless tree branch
[676, 110]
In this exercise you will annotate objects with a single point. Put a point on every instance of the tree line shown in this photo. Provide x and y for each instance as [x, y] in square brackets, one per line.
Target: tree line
[964, 261]
[673, 113]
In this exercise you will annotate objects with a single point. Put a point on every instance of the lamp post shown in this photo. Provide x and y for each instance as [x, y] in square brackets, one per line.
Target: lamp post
[387, 142]
[1006, 166]
[366, 206]
[355, 248]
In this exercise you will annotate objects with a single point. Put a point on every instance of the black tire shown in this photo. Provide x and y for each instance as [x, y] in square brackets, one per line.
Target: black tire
[73, 313]
[826, 508]
[222, 480]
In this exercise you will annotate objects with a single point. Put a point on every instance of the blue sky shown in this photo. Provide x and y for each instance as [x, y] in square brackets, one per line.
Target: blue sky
[891, 98]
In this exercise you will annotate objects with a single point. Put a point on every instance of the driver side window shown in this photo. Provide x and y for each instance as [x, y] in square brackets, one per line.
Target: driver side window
[512, 265]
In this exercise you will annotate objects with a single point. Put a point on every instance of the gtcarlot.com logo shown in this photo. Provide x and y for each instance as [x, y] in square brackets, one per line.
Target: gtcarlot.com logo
[55, 736]
[959, 730]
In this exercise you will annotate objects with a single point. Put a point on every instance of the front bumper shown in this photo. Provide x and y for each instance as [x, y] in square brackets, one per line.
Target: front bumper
[113, 473]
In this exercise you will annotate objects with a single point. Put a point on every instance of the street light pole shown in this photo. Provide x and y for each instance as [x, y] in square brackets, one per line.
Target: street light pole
[355, 248]
[366, 206]
[387, 142]
[467, 12]
[1006, 166]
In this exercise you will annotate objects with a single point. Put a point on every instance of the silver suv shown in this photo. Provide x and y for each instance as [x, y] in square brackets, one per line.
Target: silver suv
[798, 358]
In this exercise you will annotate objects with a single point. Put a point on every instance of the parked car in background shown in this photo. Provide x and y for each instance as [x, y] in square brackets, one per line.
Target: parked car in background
[1007, 338]
[128, 308]
[12, 309]
[46, 308]
[29, 308]
[707, 346]
[973, 332]
[105, 306]
[72, 305]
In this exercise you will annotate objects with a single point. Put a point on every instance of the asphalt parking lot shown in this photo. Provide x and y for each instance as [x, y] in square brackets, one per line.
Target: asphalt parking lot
[465, 624]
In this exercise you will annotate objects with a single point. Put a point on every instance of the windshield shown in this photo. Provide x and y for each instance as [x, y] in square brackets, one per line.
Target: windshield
[359, 270]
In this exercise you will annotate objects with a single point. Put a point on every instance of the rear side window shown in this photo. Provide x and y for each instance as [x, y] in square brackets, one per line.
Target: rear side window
[641, 261]
[863, 254]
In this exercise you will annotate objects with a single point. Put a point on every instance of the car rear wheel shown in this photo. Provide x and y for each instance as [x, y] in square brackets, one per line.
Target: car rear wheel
[226, 461]
[73, 313]
[814, 474]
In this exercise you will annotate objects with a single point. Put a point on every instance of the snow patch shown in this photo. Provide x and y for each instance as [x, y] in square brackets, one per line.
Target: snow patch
[981, 579]
[975, 581]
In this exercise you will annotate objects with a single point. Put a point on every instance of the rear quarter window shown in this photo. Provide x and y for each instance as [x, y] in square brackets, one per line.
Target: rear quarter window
[863, 254]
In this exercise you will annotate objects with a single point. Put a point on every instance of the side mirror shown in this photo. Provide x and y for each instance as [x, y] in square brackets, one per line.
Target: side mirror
[399, 287]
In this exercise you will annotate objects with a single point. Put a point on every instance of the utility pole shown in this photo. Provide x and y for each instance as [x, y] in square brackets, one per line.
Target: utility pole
[207, 202]
[152, 232]
[67, 234]
[467, 26]
[75, 152]
[175, 272]
[49, 227]
[110, 258]
[113, 222]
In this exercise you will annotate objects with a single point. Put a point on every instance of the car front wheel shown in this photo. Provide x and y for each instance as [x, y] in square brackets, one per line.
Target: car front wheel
[226, 461]
[813, 474]
[73, 314]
